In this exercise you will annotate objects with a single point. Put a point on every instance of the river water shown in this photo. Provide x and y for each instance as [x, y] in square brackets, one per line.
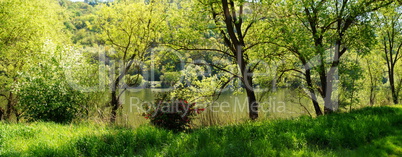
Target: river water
[228, 108]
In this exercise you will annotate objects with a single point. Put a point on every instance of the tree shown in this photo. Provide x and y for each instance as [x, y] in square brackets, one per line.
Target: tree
[132, 28]
[233, 32]
[24, 26]
[331, 27]
[390, 36]
[45, 89]
[374, 72]
[79, 21]
[350, 74]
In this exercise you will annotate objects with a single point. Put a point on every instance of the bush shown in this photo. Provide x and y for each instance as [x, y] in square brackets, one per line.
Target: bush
[54, 89]
[50, 101]
[134, 80]
[172, 115]
[169, 79]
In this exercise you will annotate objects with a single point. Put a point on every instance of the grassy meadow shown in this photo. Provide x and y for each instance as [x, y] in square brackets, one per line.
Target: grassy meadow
[372, 131]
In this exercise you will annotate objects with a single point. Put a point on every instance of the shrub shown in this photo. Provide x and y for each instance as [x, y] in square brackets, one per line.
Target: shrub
[50, 101]
[169, 79]
[54, 89]
[134, 80]
[172, 115]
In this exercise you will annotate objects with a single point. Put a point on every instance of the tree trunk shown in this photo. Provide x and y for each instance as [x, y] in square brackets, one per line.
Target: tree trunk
[10, 107]
[372, 96]
[248, 82]
[115, 105]
[234, 40]
[372, 84]
[392, 84]
[329, 105]
[252, 104]
[115, 102]
[252, 100]
[313, 97]
[1, 113]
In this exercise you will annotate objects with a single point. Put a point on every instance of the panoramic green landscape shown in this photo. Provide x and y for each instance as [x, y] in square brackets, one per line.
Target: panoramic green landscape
[200, 78]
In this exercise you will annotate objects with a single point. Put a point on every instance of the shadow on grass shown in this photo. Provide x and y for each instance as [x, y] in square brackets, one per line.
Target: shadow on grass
[387, 146]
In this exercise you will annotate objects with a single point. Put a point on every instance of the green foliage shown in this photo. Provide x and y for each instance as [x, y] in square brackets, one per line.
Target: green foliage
[131, 33]
[195, 84]
[282, 41]
[169, 79]
[375, 131]
[50, 100]
[172, 115]
[134, 80]
[80, 23]
[49, 91]
[389, 36]
[25, 25]
[350, 75]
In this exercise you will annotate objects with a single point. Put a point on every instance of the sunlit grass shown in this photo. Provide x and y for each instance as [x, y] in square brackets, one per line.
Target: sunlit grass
[373, 131]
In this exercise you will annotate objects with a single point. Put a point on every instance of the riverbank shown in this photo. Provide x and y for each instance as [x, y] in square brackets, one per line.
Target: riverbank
[373, 131]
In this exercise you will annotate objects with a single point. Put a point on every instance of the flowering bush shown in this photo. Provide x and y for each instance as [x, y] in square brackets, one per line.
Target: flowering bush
[172, 115]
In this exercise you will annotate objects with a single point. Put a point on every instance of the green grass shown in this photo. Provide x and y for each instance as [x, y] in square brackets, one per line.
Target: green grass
[370, 132]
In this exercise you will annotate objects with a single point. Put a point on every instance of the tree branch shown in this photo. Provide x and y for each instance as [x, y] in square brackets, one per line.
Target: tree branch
[3, 96]
[397, 56]
[287, 70]
[201, 49]
[222, 87]
[229, 25]
[215, 66]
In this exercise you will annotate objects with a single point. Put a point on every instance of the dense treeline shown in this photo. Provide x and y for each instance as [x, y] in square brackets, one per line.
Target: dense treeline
[63, 61]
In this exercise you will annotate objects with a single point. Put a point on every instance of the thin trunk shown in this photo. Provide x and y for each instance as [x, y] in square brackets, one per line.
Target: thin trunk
[353, 91]
[372, 85]
[391, 59]
[1, 113]
[10, 107]
[115, 102]
[392, 84]
[351, 99]
[372, 96]
[115, 105]
[313, 96]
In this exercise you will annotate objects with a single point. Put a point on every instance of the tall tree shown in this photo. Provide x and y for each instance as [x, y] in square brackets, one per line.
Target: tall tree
[232, 30]
[331, 27]
[390, 36]
[374, 72]
[131, 28]
[25, 25]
